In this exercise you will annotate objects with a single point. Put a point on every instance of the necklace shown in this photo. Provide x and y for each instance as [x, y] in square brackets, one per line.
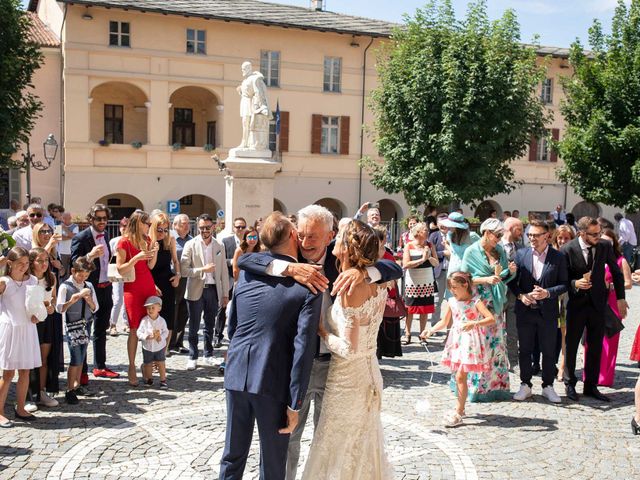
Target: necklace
[19, 283]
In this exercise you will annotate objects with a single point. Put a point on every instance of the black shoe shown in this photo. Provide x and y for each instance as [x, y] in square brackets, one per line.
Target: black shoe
[148, 382]
[635, 428]
[183, 351]
[571, 393]
[71, 397]
[595, 393]
[218, 344]
[174, 351]
[26, 418]
[163, 384]
[83, 392]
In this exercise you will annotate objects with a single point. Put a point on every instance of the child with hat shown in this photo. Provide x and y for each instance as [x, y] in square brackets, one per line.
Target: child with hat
[153, 333]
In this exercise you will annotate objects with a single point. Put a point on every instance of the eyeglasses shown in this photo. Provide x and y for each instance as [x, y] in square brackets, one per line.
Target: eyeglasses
[46, 232]
[162, 230]
[240, 227]
[498, 235]
[204, 229]
[535, 235]
[252, 237]
[35, 215]
[101, 219]
[594, 235]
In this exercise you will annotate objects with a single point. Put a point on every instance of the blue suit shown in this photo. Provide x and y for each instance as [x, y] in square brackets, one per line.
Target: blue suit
[541, 320]
[272, 326]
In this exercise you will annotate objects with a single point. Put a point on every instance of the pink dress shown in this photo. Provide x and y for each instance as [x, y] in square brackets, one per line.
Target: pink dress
[466, 351]
[609, 344]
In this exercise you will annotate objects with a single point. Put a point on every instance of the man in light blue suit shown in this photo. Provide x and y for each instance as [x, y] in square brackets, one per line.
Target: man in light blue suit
[272, 328]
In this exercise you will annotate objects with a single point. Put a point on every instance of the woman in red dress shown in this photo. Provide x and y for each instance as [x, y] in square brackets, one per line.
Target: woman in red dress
[135, 252]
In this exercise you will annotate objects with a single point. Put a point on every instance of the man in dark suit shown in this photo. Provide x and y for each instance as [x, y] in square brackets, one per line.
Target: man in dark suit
[315, 244]
[541, 277]
[586, 257]
[93, 242]
[273, 325]
[230, 244]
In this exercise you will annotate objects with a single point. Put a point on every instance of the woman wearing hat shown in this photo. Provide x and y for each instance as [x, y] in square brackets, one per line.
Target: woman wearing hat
[458, 240]
[490, 270]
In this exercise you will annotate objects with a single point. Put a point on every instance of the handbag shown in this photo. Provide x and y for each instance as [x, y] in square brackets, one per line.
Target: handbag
[116, 277]
[612, 324]
[394, 306]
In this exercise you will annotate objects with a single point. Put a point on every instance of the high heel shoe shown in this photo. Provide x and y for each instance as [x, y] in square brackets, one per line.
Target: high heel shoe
[635, 428]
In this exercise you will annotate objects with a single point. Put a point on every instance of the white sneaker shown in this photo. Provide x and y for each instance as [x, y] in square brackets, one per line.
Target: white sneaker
[550, 394]
[523, 393]
[210, 361]
[46, 400]
[31, 407]
[192, 364]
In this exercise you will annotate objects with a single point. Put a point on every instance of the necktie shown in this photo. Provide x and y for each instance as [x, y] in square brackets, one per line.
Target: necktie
[100, 235]
[590, 258]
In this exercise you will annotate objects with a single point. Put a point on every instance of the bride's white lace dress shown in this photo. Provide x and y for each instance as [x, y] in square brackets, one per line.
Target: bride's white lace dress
[348, 443]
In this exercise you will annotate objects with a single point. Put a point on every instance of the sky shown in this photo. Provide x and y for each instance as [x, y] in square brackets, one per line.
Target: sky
[557, 22]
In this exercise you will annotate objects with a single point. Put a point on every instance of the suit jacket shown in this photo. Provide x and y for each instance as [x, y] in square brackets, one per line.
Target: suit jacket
[229, 250]
[597, 294]
[554, 279]
[257, 263]
[272, 327]
[81, 245]
[192, 262]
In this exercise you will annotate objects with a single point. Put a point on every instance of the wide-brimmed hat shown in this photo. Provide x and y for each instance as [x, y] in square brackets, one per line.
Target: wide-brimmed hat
[491, 224]
[454, 220]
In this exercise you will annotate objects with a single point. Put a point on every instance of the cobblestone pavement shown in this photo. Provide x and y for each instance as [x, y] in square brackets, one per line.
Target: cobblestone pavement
[126, 432]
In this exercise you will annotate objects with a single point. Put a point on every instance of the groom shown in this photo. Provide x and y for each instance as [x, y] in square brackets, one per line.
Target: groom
[272, 330]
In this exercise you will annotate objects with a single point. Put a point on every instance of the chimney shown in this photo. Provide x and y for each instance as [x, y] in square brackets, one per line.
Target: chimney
[316, 5]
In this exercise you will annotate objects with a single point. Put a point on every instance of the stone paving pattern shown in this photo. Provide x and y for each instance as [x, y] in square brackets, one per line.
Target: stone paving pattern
[126, 432]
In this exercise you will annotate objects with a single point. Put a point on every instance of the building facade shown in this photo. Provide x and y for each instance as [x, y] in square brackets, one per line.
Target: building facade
[147, 91]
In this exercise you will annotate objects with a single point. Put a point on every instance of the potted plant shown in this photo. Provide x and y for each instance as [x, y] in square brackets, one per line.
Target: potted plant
[136, 144]
[207, 147]
[177, 146]
[104, 143]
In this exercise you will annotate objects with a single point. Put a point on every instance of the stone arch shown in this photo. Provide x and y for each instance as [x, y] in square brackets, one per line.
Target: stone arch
[335, 206]
[121, 204]
[125, 120]
[196, 204]
[483, 210]
[586, 209]
[194, 117]
[389, 210]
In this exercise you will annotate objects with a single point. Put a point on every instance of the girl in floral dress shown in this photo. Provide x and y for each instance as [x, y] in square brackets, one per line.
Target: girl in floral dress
[466, 349]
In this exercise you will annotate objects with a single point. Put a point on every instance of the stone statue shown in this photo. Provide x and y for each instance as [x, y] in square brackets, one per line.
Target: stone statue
[254, 110]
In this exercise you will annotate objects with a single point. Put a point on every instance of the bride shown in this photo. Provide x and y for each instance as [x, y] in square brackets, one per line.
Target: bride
[348, 443]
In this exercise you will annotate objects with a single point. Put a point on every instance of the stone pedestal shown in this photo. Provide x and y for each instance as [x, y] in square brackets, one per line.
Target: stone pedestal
[249, 185]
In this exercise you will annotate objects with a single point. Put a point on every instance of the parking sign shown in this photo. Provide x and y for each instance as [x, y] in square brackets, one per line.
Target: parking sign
[173, 207]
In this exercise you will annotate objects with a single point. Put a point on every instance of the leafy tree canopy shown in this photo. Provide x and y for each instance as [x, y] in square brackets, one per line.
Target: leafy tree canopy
[601, 145]
[19, 58]
[455, 105]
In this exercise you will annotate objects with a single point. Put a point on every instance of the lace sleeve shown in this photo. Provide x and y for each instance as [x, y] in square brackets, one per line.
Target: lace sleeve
[345, 344]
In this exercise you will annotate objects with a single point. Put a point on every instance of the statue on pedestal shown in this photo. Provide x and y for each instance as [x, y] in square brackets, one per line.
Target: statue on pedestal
[254, 110]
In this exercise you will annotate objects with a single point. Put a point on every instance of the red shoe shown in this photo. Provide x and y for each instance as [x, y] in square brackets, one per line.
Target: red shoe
[84, 379]
[105, 373]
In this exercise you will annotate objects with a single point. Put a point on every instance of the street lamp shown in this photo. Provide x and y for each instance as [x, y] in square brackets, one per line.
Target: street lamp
[50, 146]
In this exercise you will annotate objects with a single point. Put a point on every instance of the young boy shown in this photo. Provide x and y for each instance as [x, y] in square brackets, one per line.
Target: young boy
[153, 333]
[77, 303]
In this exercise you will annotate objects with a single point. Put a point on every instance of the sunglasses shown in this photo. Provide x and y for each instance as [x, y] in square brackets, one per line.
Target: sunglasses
[204, 229]
[101, 219]
[535, 235]
[35, 215]
[252, 237]
[240, 227]
[498, 235]
[46, 232]
[162, 230]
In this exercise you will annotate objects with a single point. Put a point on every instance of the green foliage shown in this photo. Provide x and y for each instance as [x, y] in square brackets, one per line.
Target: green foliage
[601, 145]
[454, 106]
[19, 58]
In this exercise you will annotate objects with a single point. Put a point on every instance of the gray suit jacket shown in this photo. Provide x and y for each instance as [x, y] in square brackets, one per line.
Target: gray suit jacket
[192, 263]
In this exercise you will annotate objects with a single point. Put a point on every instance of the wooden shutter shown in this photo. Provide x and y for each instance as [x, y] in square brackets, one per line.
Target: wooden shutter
[533, 148]
[284, 131]
[555, 134]
[316, 133]
[344, 135]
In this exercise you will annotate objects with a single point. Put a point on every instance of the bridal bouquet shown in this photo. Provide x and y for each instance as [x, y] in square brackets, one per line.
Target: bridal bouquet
[6, 243]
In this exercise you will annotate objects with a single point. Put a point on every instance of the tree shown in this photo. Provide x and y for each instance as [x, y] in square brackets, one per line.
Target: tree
[455, 105]
[601, 145]
[19, 58]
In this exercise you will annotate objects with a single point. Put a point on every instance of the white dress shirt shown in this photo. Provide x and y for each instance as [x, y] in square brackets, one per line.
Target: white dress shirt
[538, 262]
[209, 278]
[146, 328]
[99, 239]
[627, 232]
[585, 250]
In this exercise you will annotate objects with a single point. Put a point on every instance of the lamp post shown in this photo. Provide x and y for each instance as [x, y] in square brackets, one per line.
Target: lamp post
[50, 146]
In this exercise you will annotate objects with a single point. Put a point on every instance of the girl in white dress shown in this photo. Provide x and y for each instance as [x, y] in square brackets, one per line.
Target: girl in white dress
[348, 443]
[19, 346]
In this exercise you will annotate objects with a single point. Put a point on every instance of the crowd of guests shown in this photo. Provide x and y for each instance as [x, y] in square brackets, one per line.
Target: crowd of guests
[511, 297]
